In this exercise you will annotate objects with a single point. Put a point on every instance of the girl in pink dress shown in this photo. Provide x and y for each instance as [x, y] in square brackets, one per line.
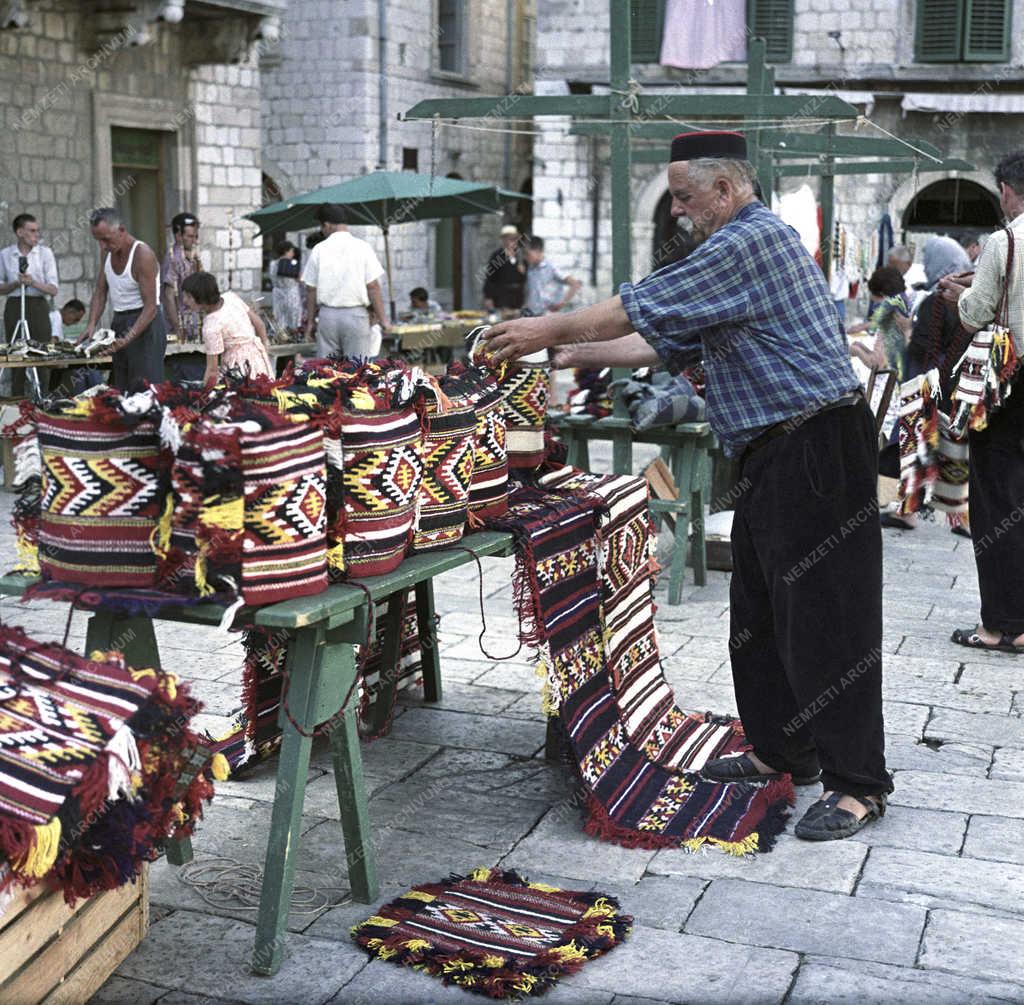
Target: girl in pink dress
[234, 337]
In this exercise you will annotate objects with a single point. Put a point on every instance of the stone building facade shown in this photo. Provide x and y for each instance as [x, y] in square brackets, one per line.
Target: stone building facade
[332, 94]
[151, 106]
[871, 55]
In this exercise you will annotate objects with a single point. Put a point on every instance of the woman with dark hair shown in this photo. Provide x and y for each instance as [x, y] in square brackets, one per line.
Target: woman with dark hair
[233, 334]
[890, 321]
[284, 279]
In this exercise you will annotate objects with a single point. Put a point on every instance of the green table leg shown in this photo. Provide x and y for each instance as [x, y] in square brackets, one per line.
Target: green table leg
[389, 659]
[700, 551]
[429, 655]
[355, 816]
[305, 657]
[622, 452]
[133, 636]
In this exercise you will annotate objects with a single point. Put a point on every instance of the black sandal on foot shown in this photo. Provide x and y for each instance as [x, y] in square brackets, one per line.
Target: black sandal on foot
[826, 821]
[740, 768]
[961, 531]
[970, 638]
[894, 522]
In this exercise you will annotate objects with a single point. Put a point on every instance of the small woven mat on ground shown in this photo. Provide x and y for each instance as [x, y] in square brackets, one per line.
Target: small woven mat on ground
[494, 932]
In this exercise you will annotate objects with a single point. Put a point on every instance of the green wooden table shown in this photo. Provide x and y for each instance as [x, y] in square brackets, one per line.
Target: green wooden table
[322, 632]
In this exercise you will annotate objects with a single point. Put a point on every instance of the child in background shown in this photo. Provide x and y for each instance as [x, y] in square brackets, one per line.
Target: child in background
[890, 321]
[234, 337]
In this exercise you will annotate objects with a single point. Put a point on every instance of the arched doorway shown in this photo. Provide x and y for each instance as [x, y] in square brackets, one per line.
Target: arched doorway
[671, 242]
[270, 192]
[953, 206]
[448, 255]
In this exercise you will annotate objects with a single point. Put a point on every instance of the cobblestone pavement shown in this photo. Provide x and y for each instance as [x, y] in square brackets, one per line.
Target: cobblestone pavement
[924, 906]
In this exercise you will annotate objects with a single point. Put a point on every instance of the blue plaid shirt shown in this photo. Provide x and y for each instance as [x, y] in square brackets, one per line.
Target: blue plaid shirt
[753, 304]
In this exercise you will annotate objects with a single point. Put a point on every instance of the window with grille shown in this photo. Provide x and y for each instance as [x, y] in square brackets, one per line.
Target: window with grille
[771, 20]
[962, 31]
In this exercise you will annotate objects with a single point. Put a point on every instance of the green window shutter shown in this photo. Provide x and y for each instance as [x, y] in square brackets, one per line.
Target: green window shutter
[646, 20]
[938, 36]
[987, 31]
[772, 20]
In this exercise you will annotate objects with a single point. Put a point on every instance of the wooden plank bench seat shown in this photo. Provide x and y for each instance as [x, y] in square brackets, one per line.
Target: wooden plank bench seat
[322, 632]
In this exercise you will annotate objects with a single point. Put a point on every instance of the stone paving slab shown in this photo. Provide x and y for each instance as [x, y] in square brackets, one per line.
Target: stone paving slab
[476, 732]
[904, 753]
[997, 730]
[808, 921]
[923, 830]
[558, 844]
[831, 865]
[1008, 763]
[213, 954]
[688, 968]
[942, 881]
[826, 980]
[985, 947]
[998, 839]
[959, 793]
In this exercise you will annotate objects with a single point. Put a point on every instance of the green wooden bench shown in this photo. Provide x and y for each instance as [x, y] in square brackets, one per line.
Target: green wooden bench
[322, 632]
[685, 448]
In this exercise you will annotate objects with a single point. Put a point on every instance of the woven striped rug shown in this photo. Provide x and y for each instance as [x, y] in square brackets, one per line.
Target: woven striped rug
[583, 592]
[494, 932]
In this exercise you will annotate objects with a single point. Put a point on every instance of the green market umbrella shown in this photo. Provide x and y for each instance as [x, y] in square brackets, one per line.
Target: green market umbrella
[384, 198]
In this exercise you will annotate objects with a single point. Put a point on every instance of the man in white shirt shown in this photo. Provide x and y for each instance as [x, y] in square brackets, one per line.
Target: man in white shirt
[39, 279]
[342, 279]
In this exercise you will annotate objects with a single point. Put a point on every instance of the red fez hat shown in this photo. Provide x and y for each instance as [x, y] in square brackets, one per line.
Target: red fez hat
[691, 146]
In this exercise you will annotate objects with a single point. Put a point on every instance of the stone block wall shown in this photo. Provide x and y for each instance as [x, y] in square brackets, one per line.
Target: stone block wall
[53, 80]
[321, 123]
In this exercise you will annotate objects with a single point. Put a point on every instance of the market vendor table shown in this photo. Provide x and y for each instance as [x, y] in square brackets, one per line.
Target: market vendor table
[322, 631]
[173, 349]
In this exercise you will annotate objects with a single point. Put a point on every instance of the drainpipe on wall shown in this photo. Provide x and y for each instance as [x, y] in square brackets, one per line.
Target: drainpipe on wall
[509, 51]
[595, 208]
[382, 85]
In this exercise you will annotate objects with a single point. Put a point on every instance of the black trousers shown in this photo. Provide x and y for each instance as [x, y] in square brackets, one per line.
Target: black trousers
[144, 356]
[806, 602]
[997, 515]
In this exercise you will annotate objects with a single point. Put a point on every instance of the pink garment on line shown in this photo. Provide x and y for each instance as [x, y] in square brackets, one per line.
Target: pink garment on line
[228, 333]
[703, 33]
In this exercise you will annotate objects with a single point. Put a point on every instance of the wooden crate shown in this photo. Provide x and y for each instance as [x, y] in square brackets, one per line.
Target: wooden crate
[52, 954]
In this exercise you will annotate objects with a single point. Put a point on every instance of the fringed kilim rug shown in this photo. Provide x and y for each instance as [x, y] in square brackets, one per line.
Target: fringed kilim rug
[583, 591]
[494, 933]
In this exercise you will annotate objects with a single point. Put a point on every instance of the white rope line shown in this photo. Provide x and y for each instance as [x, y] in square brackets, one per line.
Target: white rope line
[864, 119]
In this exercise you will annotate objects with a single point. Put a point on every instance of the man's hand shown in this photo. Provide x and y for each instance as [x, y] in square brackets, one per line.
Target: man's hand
[26, 279]
[385, 326]
[951, 291]
[510, 340]
[562, 359]
[964, 279]
[308, 332]
[85, 336]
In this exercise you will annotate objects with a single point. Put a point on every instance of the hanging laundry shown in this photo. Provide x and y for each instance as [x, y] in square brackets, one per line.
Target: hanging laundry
[703, 33]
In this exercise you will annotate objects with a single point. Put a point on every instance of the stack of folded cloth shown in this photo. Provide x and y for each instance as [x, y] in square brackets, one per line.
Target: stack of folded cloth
[659, 399]
[97, 767]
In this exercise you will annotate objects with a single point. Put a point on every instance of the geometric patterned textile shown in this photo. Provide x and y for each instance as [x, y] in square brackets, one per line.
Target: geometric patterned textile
[919, 441]
[639, 794]
[488, 491]
[953, 471]
[102, 494]
[97, 766]
[984, 379]
[494, 932]
[647, 706]
[525, 389]
[383, 471]
[284, 550]
[447, 469]
[255, 734]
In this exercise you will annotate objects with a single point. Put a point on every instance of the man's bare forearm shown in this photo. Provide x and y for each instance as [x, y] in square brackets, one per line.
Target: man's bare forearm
[601, 322]
[629, 350]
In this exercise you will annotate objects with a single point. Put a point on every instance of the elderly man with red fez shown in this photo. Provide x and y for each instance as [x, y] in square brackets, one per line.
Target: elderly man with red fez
[807, 551]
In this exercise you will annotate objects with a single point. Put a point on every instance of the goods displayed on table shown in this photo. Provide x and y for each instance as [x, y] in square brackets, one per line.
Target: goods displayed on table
[97, 767]
[494, 932]
[258, 491]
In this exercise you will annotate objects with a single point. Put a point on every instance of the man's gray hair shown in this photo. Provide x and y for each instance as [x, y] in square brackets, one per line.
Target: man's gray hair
[706, 169]
[107, 215]
[901, 253]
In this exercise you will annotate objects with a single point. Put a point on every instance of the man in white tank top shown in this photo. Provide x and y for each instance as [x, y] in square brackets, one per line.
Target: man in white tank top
[130, 277]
